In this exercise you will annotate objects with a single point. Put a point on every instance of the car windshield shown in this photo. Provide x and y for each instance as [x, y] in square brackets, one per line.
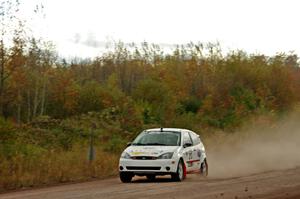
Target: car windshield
[164, 138]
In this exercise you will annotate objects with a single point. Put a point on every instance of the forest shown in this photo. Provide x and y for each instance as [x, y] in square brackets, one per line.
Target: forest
[52, 108]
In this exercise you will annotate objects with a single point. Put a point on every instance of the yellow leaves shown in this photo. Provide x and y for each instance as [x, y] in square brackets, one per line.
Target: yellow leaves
[64, 90]
[207, 104]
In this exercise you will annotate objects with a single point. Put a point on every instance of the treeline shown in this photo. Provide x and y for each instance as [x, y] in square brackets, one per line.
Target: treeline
[195, 85]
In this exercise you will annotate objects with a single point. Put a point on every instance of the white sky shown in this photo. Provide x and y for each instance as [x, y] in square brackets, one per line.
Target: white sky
[263, 26]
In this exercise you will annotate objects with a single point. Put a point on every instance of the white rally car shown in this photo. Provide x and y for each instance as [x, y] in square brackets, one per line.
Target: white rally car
[163, 151]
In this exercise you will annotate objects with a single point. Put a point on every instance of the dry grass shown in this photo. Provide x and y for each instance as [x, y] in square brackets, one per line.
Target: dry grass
[55, 167]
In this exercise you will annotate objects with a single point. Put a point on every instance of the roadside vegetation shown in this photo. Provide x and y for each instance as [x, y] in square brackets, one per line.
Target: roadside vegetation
[51, 108]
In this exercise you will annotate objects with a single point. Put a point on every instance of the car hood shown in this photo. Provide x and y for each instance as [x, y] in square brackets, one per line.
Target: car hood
[150, 150]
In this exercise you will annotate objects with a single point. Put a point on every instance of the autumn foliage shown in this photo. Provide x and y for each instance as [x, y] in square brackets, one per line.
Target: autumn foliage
[47, 104]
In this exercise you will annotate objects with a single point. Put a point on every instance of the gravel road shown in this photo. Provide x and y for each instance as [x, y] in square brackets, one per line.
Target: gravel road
[271, 185]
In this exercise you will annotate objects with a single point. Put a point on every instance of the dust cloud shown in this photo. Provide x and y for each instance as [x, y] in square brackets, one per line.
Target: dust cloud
[256, 148]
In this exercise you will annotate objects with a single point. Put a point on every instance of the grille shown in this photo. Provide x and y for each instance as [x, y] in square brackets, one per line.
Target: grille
[143, 168]
[143, 158]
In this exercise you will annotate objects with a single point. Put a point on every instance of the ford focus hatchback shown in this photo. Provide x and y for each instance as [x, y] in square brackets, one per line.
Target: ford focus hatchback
[163, 151]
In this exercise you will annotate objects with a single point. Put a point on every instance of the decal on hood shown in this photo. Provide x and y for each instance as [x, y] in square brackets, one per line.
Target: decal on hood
[149, 151]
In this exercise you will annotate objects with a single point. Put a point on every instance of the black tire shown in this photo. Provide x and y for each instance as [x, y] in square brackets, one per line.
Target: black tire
[151, 177]
[125, 177]
[179, 175]
[204, 168]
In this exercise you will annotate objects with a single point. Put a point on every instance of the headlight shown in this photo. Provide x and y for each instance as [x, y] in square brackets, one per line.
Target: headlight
[166, 156]
[125, 155]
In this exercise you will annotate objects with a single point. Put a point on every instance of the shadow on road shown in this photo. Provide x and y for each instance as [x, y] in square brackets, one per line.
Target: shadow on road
[162, 179]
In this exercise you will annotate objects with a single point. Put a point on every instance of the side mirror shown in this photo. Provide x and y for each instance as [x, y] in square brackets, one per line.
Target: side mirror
[128, 144]
[187, 145]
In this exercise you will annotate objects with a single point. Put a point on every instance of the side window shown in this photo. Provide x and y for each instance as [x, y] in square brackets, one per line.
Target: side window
[195, 138]
[186, 138]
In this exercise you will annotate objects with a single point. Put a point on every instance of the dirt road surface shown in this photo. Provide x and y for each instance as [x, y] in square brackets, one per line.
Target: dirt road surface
[274, 184]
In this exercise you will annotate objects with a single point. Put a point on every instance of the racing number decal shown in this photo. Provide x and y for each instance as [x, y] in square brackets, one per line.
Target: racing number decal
[199, 153]
[189, 155]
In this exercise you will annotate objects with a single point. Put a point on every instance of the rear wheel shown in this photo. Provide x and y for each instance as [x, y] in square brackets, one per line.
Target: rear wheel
[151, 177]
[204, 168]
[125, 177]
[180, 174]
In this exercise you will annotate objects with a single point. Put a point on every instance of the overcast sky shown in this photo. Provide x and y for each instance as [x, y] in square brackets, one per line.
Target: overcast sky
[81, 27]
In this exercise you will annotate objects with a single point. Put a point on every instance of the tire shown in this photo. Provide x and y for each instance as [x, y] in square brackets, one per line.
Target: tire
[180, 173]
[204, 168]
[125, 177]
[151, 177]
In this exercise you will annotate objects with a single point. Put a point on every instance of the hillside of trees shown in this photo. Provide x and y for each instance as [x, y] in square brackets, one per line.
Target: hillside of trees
[195, 83]
[51, 107]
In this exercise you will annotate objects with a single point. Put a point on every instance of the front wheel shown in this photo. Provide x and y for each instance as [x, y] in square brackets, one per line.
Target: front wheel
[204, 168]
[180, 174]
[125, 177]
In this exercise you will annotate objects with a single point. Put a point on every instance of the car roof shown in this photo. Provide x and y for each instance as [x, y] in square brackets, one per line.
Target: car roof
[168, 129]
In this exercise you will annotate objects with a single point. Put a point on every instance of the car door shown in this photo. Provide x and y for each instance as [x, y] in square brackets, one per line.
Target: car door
[187, 150]
[197, 152]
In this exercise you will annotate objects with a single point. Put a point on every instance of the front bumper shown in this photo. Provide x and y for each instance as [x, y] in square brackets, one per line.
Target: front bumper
[158, 166]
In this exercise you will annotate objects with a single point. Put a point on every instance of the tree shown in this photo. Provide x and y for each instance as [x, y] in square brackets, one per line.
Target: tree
[11, 58]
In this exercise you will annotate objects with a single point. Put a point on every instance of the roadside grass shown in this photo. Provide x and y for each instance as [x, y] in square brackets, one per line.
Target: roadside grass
[52, 167]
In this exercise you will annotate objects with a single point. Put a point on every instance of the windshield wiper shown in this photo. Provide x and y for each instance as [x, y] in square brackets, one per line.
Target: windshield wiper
[139, 144]
[157, 144]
